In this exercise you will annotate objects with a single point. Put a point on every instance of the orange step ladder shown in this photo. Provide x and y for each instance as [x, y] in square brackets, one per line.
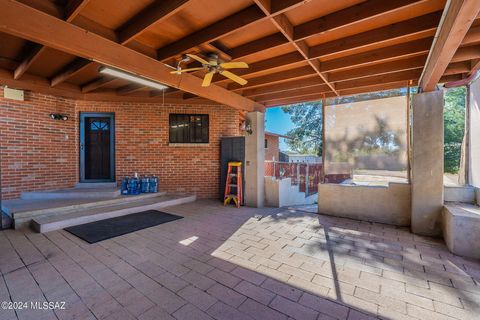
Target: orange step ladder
[236, 196]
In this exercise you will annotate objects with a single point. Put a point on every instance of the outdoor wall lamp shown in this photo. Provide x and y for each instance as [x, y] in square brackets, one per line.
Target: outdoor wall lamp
[58, 116]
[247, 127]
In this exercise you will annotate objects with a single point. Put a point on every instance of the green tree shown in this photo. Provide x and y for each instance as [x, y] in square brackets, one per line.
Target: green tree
[307, 134]
[454, 127]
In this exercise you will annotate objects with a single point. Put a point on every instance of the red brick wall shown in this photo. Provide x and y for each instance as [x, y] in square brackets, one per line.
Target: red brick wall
[272, 151]
[39, 153]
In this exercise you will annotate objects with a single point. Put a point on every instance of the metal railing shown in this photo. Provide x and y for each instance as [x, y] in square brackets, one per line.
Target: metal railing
[306, 175]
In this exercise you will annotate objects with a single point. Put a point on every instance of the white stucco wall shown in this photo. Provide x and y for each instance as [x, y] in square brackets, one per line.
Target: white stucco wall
[280, 193]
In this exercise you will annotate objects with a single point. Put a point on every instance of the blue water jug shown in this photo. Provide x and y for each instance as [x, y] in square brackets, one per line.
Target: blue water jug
[134, 186]
[145, 185]
[153, 184]
[124, 187]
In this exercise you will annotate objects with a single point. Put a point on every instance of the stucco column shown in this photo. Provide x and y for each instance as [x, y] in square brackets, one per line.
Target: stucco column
[473, 121]
[254, 161]
[427, 162]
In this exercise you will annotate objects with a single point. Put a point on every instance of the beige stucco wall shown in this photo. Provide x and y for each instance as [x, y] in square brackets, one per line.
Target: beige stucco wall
[371, 203]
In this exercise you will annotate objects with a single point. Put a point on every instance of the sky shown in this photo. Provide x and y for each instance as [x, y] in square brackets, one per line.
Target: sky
[278, 122]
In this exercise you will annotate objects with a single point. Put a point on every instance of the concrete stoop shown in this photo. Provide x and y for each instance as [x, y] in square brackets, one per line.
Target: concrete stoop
[46, 223]
[73, 193]
[49, 213]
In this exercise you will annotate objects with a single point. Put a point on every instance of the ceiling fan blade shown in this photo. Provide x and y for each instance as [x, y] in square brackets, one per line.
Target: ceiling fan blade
[234, 65]
[208, 79]
[195, 57]
[233, 77]
[186, 70]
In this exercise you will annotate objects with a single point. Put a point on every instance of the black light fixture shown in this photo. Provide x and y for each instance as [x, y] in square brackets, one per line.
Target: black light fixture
[58, 116]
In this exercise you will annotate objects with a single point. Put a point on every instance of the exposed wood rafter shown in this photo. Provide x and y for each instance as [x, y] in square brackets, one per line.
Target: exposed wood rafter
[287, 29]
[25, 22]
[71, 11]
[457, 19]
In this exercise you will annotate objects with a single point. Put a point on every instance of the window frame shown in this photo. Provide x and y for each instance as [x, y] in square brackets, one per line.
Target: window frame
[205, 119]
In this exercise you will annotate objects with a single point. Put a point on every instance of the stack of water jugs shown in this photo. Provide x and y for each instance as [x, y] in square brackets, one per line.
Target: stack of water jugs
[134, 185]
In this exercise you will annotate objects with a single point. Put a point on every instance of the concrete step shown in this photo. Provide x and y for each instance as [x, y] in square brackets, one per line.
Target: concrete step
[23, 210]
[72, 193]
[60, 221]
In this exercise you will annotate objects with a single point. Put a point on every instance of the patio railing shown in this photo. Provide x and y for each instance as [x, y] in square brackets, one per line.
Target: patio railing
[306, 175]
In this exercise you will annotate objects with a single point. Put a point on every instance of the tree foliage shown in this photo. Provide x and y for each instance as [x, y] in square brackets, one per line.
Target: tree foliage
[307, 134]
[454, 127]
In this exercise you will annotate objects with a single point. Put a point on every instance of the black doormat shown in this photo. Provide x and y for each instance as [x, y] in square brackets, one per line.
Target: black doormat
[109, 228]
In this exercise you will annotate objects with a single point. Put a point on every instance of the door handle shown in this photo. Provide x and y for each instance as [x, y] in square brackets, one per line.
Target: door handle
[82, 146]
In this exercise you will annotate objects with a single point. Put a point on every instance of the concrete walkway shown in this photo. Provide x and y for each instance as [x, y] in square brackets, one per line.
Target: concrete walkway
[227, 263]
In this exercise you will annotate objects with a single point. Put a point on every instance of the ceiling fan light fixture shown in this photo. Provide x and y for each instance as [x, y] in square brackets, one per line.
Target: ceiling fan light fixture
[131, 77]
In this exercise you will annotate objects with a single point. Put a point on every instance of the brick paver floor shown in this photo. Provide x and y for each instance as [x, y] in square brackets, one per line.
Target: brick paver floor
[227, 263]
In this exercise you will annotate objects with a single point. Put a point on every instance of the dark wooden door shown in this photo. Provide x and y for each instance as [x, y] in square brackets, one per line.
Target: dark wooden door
[97, 147]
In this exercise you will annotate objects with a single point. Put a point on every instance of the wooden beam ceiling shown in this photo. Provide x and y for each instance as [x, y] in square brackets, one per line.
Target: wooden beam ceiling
[154, 13]
[362, 12]
[71, 11]
[457, 19]
[419, 25]
[283, 24]
[212, 32]
[25, 22]
[427, 22]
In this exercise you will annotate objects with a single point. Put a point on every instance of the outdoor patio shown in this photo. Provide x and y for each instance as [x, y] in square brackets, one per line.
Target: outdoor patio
[227, 263]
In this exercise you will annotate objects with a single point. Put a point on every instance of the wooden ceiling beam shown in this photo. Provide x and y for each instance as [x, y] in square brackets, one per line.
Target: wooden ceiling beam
[295, 100]
[429, 22]
[97, 84]
[379, 79]
[287, 59]
[401, 50]
[73, 9]
[70, 12]
[380, 68]
[25, 22]
[129, 88]
[313, 80]
[419, 25]
[69, 71]
[154, 13]
[259, 45]
[284, 25]
[276, 77]
[458, 68]
[321, 88]
[345, 92]
[212, 32]
[457, 19]
[350, 16]
[42, 85]
[466, 53]
[472, 36]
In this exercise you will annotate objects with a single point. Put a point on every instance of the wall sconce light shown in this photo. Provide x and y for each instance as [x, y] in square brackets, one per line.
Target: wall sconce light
[58, 116]
[247, 127]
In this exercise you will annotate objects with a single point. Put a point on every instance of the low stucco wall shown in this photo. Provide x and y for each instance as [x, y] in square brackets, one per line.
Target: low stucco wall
[280, 193]
[461, 225]
[371, 203]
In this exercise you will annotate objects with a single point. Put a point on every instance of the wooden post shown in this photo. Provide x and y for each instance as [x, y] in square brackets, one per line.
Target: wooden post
[307, 180]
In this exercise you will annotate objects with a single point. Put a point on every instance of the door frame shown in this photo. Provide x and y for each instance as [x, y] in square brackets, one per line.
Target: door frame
[111, 116]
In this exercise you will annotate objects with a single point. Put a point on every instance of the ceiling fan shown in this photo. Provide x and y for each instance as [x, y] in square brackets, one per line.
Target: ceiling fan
[213, 65]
